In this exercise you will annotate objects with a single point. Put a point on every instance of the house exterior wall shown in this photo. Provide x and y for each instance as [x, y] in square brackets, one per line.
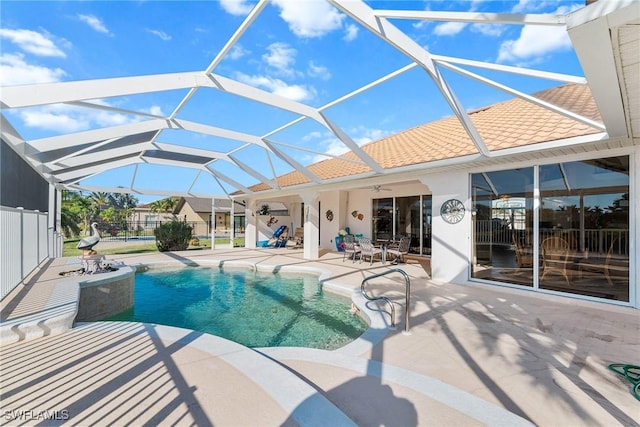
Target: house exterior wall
[187, 213]
[450, 243]
[20, 184]
[329, 229]
[343, 203]
[140, 215]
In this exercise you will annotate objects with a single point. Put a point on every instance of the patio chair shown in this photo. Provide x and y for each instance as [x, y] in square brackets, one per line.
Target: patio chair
[556, 257]
[297, 240]
[350, 247]
[524, 256]
[611, 267]
[400, 251]
[368, 250]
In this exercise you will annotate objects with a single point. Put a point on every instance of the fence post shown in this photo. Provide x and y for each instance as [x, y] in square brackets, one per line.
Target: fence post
[21, 209]
[37, 236]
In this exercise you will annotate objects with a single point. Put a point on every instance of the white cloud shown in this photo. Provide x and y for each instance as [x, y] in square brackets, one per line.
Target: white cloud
[49, 119]
[65, 118]
[331, 145]
[524, 6]
[318, 71]
[32, 42]
[160, 34]
[350, 33]
[363, 135]
[278, 87]
[449, 28]
[156, 110]
[15, 71]
[236, 7]
[237, 52]
[281, 56]
[536, 41]
[492, 30]
[94, 22]
[309, 18]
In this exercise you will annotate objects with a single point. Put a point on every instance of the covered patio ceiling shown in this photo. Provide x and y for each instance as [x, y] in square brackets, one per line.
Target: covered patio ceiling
[604, 35]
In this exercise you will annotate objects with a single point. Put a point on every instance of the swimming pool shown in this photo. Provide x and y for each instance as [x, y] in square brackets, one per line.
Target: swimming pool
[251, 308]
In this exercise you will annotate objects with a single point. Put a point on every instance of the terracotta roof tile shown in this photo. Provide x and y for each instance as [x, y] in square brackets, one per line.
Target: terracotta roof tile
[509, 124]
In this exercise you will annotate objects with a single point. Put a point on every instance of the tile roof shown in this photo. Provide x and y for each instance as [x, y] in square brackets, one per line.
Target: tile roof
[508, 124]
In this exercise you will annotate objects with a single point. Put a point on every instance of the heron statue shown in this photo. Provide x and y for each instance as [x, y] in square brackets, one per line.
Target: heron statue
[90, 241]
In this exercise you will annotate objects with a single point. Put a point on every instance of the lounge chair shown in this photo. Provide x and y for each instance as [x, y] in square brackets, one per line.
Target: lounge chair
[277, 240]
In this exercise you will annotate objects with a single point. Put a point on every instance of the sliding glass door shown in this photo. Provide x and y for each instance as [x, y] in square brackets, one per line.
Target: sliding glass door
[404, 216]
[503, 226]
[584, 227]
[580, 240]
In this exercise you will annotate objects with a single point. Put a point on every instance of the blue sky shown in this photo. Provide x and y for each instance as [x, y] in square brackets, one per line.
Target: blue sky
[303, 50]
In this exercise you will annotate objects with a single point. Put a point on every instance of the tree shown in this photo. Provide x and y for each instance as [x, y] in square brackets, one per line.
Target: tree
[99, 201]
[123, 201]
[164, 205]
[75, 209]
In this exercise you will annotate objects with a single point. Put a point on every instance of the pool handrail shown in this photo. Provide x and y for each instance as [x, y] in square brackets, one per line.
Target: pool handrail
[407, 283]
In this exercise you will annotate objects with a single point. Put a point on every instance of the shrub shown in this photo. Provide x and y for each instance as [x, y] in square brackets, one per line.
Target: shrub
[173, 236]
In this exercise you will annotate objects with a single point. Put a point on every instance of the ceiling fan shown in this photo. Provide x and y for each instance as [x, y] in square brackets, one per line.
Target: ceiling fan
[378, 188]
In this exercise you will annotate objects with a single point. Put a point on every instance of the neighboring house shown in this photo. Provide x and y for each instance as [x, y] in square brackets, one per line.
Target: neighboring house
[199, 212]
[144, 217]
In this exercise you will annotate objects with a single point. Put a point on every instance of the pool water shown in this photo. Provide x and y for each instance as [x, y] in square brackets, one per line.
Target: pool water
[251, 308]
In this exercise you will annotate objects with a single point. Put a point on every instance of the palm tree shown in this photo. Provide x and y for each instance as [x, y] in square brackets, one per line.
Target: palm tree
[100, 201]
[75, 208]
[69, 219]
[169, 204]
[123, 200]
[164, 205]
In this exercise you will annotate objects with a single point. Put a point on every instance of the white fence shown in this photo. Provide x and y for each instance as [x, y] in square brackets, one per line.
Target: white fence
[25, 242]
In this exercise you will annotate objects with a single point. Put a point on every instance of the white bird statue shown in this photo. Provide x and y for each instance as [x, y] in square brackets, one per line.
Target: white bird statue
[90, 241]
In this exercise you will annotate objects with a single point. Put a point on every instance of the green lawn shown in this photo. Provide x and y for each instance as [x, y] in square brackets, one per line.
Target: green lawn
[69, 247]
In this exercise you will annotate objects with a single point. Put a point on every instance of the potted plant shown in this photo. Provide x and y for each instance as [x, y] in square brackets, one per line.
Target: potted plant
[264, 210]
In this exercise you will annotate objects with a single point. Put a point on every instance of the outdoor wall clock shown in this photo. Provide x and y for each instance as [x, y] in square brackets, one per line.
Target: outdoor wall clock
[452, 211]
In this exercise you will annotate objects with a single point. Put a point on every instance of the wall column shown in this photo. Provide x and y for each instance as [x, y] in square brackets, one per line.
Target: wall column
[251, 229]
[311, 229]
[451, 243]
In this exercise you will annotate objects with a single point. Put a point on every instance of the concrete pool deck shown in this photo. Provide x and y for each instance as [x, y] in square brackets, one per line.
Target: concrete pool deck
[475, 355]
